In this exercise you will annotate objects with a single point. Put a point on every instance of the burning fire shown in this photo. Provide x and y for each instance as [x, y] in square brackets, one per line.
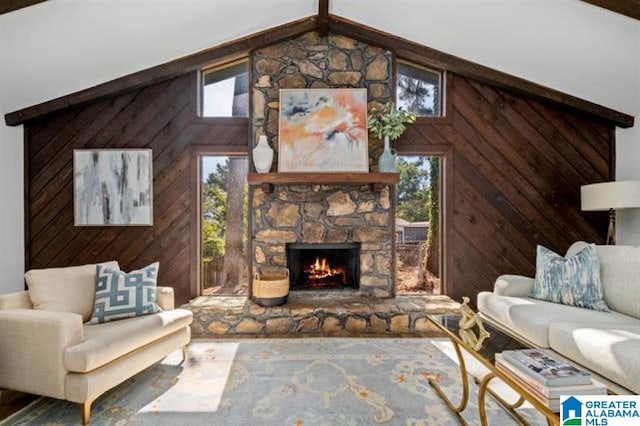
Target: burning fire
[321, 269]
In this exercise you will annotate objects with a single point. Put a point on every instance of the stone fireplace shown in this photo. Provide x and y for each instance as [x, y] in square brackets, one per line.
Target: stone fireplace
[289, 216]
[317, 214]
[324, 266]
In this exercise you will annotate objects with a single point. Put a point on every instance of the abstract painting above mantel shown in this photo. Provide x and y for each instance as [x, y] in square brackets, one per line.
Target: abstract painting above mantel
[323, 130]
[113, 187]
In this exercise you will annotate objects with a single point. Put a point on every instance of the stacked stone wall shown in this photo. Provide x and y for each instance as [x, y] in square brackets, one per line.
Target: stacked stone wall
[319, 213]
[311, 61]
[326, 214]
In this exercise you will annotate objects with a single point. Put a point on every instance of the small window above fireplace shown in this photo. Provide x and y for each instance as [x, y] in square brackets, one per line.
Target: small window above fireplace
[324, 266]
[419, 90]
[225, 90]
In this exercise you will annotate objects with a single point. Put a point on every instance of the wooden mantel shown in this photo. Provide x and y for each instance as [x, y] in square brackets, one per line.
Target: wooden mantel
[376, 180]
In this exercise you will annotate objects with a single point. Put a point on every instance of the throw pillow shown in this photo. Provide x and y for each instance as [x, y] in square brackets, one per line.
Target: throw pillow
[121, 295]
[70, 289]
[574, 281]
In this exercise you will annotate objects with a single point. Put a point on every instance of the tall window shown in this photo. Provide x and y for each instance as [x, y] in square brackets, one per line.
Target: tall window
[224, 225]
[225, 90]
[419, 90]
[417, 240]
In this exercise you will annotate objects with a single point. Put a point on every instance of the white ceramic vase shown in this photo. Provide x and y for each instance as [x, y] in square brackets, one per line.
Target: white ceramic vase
[263, 155]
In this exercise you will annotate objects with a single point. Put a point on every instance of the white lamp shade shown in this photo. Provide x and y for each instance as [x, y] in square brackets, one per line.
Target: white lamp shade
[611, 195]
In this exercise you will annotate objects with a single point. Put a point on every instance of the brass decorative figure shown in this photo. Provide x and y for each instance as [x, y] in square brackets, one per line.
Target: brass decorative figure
[468, 321]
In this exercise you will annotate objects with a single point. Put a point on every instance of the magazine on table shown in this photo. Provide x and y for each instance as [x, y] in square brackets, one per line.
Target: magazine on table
[545, 392]
[546, 369]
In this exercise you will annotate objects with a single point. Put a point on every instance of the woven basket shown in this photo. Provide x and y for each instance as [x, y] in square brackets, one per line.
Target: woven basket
[271, 290]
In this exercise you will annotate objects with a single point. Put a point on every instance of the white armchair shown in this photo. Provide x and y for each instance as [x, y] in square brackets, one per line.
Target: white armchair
[54, 354]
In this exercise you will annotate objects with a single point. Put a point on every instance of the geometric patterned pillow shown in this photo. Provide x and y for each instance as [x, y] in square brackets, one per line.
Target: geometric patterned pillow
[122, 295]
[574, 281]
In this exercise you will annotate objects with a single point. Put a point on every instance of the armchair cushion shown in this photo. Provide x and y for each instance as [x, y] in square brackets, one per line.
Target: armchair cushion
[82, 387]
[105, 342]
[69, 289]
[33, 345]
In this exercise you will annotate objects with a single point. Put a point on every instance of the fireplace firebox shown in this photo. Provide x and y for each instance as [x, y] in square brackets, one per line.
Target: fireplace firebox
[324, 266]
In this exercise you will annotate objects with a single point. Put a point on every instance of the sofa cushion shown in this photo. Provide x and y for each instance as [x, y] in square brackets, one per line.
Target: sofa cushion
[620, 276]
[531, 318]
[610, 350]
[105, 342]
[70, 289]
[573, 281]
[122, 295]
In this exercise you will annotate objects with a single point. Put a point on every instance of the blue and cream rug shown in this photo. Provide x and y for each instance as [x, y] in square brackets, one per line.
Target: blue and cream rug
[316, 381]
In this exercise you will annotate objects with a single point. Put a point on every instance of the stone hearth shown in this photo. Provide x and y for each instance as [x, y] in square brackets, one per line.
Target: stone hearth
[319, 313]
[326, 214]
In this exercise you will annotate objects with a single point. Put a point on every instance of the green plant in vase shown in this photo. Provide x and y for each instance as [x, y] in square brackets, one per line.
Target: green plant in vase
[388, 123]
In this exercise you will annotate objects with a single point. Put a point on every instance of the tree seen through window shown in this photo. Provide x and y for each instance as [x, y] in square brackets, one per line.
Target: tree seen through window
[419, 90]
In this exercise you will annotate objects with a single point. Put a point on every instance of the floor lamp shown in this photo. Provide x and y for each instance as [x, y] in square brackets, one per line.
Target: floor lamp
[611, 196]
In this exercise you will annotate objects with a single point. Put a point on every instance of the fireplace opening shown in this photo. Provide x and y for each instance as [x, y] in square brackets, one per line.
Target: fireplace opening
[324, 266]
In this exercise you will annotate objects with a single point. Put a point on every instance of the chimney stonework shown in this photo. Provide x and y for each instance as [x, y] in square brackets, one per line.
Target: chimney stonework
[322, 213]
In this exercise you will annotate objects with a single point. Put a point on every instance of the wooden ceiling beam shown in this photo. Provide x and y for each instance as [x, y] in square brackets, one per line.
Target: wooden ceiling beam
[7, 6]
[427, 56]
[323, 17]
[630, 8]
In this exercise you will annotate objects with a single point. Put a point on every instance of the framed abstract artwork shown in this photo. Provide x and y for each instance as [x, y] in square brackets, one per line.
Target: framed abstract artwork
[323, 130]
[113, 187]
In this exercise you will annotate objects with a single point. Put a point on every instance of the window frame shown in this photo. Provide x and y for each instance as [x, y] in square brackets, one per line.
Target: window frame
[199, 92]
[445, 152]
[196, 152]
[446, 86]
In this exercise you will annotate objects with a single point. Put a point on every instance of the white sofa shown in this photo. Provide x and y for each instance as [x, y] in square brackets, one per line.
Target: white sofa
[607, 343]
[54, 353]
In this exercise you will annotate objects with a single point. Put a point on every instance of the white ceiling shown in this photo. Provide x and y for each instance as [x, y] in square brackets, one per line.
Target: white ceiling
[62, 46]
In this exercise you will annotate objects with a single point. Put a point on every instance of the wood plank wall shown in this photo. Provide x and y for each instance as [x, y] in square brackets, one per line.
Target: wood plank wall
[161, 117]
[517, 167]
[517, 170]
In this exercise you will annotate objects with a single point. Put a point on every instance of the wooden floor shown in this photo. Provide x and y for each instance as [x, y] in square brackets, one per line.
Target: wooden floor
[12, 402]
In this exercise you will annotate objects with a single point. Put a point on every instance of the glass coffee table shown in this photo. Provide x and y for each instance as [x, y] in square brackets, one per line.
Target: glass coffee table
[497, 341]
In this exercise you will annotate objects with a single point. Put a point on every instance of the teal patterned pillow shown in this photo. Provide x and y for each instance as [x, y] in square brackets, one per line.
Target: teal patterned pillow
[121, 295]
[574, 281]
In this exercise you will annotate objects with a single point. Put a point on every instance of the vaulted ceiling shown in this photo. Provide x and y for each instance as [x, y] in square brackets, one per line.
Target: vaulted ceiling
[504, 37]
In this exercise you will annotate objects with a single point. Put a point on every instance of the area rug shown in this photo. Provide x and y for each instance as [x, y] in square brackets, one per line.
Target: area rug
[315, 381]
